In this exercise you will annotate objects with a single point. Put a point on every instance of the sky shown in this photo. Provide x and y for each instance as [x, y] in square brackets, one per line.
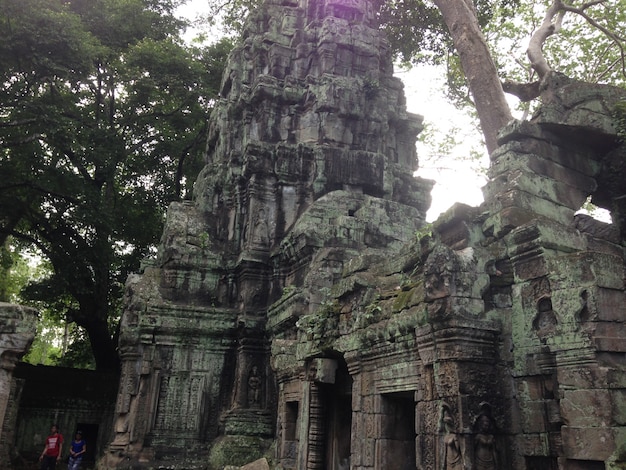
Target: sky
[457, 177]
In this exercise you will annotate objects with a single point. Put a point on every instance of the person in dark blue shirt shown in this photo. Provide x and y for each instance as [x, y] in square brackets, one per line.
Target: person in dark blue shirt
[78, 447]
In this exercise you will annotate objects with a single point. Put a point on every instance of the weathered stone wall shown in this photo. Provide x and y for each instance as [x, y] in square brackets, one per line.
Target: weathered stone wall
[500, 330]
[72, 398]
[17, 331]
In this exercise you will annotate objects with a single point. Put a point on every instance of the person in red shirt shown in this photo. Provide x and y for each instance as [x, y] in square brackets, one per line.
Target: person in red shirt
[52, 451]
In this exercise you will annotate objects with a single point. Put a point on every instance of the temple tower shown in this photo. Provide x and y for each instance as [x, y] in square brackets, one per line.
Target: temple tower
[310, 161]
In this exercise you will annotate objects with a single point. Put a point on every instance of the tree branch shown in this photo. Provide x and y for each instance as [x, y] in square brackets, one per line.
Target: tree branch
[550, 25]
[617, 39]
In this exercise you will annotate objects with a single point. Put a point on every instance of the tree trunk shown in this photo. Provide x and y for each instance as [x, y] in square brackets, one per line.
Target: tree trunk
[478, 67]
[102, 344]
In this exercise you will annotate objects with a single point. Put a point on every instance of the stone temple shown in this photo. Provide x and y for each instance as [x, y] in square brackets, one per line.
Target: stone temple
[301, 310]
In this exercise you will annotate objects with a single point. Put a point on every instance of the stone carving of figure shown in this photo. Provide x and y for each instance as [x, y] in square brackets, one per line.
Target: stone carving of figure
[452, 458]
[260, 232]
[254, 388]
[485, 454]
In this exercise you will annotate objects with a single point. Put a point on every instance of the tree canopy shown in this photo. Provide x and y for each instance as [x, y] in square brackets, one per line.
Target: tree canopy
[103, 111]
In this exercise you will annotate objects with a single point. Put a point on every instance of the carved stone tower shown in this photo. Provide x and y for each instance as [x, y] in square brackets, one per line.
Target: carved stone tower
[310, 161]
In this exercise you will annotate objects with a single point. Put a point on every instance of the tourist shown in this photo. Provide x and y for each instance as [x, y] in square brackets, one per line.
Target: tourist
[52, 451]
[78, 447]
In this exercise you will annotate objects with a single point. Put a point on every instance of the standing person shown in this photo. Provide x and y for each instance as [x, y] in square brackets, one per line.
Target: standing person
[52, 451]
[78, 447]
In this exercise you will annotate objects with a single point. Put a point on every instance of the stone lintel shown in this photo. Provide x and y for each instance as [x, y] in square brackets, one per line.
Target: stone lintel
[542, 207]
[468, 342]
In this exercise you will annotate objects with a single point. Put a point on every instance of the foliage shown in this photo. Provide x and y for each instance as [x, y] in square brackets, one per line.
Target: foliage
[76, 351]
[423, 233]
[588, 46]
[415, 30]
[102, 121]
[14, 273]
[45, 347]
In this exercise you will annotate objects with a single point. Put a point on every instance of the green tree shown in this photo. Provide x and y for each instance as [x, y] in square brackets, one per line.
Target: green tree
[103, 113]
[481, 46]
[14, 272]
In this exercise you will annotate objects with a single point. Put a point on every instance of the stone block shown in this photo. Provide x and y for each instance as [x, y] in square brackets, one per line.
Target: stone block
[571, 464]
[533, 444]
[583, 443]
[609, 329]
[368, 452]
[544, 187]
[618, 407]
[584, 268]
[533, 418]
[586, 408]
[615, 377]
[517, 198]
[610, 304]
[531, 142]
[372, 425]
[399, 376]
[530, 266]
[507, 219]
[580, 377]
[608, 270]
[323, 370]
[260, 464]
[393, 454]
[531, 388]
[610, 344]
[556, 169]
[368, 403]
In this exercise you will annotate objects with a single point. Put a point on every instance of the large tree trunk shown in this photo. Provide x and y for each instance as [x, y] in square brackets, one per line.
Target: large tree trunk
[103, 346]
[478, 67]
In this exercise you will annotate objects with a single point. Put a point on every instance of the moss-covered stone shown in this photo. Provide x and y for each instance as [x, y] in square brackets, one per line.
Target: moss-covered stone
[237, 451]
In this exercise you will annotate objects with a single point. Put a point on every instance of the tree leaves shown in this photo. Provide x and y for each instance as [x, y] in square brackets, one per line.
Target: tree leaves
[100, 126]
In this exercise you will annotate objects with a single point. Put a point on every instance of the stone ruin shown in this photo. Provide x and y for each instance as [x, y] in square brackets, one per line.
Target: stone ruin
[17, 332]
[301, 309]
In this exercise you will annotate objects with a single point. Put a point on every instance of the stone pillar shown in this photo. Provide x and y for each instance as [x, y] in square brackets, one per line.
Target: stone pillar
[317, 436]
[17, 331]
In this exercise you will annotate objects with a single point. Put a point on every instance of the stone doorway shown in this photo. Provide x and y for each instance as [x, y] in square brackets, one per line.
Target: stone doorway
[291, 437]
[338, 405]
[338, 433]
[396, 449]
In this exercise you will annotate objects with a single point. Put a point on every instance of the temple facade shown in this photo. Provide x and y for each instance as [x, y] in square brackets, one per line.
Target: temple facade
[300, 308]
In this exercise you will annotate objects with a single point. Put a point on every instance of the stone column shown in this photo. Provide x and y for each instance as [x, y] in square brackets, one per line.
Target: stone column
[317, 436]
[17, 331]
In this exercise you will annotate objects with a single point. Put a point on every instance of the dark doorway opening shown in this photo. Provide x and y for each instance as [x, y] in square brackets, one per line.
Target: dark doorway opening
[398, 432]
[90, 436]
[338, 401]
[541, 463]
